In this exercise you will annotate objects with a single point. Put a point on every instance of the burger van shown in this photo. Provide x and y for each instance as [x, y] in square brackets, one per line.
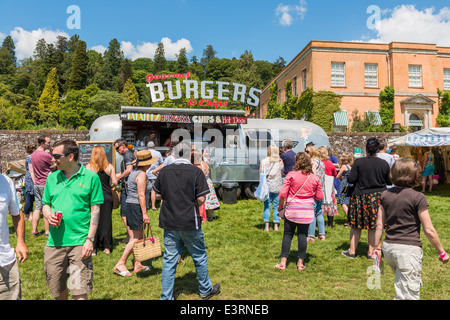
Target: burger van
[232, 143]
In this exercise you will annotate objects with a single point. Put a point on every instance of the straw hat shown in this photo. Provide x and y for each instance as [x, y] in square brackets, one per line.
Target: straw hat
[144, 158]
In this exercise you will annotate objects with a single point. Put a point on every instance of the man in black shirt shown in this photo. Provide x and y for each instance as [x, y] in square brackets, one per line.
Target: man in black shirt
[126, 167]
[183, 188]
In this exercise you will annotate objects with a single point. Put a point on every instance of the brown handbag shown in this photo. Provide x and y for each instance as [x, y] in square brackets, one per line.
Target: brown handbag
[147, 248]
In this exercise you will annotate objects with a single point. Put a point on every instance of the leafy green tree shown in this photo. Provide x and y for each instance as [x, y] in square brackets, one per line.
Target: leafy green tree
[49, 102]
[386, 99]
[159, 61]
[78, 77]
[125, 72]
[208, 54]
[443, 118]
[130, 93]
[273, 107]
[145, 64]
[196, 68]
[182, 63]
[278, 66]
[305, 104]
[365, 123]
[8, 56]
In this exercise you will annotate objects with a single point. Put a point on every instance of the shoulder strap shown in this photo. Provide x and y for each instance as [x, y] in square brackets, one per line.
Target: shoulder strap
[302, 186]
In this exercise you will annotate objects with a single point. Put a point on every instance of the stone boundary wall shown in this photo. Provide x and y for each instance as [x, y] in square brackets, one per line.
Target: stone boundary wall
[341, 142]
[12, 143]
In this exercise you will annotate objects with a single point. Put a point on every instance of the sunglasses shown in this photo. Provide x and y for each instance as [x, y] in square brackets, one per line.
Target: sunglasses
[59, 155]
[118, 147]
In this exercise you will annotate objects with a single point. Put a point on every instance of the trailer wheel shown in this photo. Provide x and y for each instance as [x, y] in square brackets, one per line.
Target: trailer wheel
[219, 192]
[250, 188]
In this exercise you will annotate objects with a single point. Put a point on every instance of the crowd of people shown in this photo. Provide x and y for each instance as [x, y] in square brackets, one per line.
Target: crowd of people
[375, 191]
[376, 194]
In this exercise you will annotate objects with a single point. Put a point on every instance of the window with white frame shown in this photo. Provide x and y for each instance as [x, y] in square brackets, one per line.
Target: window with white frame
[446, 79]
[337, 74]
[415, 75]
[371, 75]
[304, 79]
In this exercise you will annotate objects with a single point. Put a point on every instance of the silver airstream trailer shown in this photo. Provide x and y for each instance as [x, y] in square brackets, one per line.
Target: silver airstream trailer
[233, 144]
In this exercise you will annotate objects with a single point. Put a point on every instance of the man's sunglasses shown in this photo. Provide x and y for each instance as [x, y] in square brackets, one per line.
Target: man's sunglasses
[118, 147]
[59, 155]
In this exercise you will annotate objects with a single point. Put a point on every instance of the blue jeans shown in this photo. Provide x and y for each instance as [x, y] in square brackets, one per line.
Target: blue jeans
[318, 217]
[174, 241]
[273, 198]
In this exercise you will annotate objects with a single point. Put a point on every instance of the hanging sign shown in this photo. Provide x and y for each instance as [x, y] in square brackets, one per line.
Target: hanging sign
[181, 118]
[201, 93]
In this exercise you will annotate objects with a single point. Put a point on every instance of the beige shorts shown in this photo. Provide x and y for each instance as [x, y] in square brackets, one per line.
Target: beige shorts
[10, 288]
[406, 262]
[65, 269]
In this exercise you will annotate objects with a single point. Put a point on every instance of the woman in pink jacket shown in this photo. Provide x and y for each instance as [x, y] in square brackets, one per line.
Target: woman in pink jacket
[301, 187]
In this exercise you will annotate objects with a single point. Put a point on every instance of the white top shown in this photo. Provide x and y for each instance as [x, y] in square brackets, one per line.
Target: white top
[154, 165]
[9, 204]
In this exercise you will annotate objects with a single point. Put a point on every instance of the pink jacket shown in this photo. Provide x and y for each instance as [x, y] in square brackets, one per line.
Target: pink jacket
[294, 180]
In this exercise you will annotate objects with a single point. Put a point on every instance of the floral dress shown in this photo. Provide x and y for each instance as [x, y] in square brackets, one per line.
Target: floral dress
[342, 199]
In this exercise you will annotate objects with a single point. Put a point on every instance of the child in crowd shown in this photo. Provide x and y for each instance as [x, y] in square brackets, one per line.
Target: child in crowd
[346, 162]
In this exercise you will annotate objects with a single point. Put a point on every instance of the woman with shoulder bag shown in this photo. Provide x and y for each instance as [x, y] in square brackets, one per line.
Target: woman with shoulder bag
[300, 189]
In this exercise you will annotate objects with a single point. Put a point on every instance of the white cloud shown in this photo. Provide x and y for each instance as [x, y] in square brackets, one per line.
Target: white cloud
[100, 49]
[147, 49]
[25, 41]
[408, 24]
[287, 13]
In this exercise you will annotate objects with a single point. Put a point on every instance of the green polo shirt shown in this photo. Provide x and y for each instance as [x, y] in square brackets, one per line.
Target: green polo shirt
[74, 198]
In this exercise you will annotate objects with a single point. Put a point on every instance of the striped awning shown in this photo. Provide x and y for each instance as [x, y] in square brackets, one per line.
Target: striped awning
[377, 118]
[340, 118]
[416, 123]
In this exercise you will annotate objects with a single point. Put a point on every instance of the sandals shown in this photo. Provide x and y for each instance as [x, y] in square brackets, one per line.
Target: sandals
[125, 273]
[280, 266]
[146, 268]
[301, 267]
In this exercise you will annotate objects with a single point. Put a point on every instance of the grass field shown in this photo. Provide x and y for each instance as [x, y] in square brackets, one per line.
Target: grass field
[241, 257]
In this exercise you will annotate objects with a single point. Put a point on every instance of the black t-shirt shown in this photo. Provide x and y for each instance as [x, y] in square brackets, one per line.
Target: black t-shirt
[401, 209]
[180, 184]
[369, 175]
[128, 158]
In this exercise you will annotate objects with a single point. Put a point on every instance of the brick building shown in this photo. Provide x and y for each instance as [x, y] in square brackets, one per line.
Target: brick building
[359, 71]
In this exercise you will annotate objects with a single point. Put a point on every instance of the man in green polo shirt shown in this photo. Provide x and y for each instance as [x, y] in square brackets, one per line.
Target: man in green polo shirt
[77, 193]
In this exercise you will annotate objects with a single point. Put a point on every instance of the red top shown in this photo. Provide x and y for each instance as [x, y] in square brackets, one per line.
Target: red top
[330, 169]
[294, 180]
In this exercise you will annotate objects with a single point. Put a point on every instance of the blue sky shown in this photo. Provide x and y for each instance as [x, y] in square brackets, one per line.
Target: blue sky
[268, 28]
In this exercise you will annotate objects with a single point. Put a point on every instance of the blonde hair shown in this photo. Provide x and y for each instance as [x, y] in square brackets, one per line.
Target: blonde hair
[313, 152]
[323, 153]
[273, 153]
[346, 158]
[98, 159]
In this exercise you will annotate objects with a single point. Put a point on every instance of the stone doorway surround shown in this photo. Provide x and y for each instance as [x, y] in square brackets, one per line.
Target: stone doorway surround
[419, 105]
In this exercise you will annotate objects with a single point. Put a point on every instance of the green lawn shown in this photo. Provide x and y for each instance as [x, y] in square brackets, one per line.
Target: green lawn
[241, 257]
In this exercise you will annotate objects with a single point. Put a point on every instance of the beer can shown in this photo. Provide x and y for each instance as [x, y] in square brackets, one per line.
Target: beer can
[58, 215]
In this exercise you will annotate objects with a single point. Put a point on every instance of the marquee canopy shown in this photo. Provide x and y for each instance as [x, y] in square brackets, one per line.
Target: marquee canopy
[431, 137]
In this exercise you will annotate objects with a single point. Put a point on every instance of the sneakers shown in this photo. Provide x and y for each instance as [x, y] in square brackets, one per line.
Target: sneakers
[215, 291]
[348, 255]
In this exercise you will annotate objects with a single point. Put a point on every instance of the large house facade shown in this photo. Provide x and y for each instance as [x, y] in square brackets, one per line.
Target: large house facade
[359, 71]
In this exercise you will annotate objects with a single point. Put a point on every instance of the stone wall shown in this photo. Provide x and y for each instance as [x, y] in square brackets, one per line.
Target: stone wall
[12, 143]
[341, 142]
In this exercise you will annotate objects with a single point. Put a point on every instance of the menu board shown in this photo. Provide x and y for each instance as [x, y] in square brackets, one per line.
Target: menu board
[86, 150]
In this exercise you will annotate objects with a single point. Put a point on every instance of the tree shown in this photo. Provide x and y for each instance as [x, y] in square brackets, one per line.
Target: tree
[159, 59]
[8, 56]
[273, 107]
[125, 72]
[278, 66]
[130, 93]
[112, 61]
[208, 54]
[386, 99]
[78, 77]
[49, 102]
[182, 63]
[365, 123]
